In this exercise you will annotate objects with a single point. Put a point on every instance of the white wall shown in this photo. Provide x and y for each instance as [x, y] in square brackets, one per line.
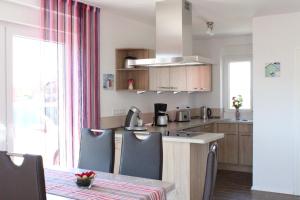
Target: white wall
[218, 48]
[24, 12]
[119, 32]
[276, 123]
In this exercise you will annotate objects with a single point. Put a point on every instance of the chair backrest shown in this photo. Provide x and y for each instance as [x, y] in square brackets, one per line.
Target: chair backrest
[142, 158]
[97, 150]
[22, 182]
[211, 172]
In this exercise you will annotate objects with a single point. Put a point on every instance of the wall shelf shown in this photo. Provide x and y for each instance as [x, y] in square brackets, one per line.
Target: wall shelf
[140, 75]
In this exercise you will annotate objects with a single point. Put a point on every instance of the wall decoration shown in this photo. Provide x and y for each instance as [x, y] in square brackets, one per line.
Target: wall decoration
[272, 69]
[108, 81]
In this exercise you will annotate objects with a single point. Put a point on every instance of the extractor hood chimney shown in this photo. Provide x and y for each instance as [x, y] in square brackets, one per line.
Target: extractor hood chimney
[173, 36]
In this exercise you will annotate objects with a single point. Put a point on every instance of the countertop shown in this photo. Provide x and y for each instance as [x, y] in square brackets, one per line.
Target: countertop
[195, 138]
[178, 126]
[173, 127]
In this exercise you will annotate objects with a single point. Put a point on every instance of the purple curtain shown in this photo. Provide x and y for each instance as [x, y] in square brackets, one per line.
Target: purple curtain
[74, 26]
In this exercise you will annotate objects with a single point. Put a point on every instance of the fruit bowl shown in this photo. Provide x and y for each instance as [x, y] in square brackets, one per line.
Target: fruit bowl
[85, 179]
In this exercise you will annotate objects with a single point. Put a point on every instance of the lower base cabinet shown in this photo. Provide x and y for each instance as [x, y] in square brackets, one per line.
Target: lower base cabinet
[228, 149]
[246, 150]
[235, 149]
[235, 152]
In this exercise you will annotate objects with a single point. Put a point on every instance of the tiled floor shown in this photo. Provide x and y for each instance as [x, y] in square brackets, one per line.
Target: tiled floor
[237, 186]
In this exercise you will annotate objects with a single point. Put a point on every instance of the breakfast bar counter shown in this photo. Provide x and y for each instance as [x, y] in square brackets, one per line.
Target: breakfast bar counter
[184, 160]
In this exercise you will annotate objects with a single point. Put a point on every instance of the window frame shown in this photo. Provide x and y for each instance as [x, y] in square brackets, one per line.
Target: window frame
[226, 80]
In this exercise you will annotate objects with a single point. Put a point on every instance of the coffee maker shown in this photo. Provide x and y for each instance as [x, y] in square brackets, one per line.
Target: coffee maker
[132, 118]
[160, 115]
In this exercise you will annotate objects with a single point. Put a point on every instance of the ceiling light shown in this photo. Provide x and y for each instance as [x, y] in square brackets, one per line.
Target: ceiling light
[210, 28]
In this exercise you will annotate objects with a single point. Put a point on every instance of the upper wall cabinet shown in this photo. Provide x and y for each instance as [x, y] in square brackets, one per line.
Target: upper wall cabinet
[178, 79]
[190, 79]
[185, 78]
[159, 79]
[199, 78]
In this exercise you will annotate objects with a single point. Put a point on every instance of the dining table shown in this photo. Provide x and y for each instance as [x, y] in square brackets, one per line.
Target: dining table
[61, 185]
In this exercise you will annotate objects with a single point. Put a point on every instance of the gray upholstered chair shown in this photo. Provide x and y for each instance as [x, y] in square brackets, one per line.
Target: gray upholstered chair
[142, 158]
[211, 172]
[97, 150]
[22, 182]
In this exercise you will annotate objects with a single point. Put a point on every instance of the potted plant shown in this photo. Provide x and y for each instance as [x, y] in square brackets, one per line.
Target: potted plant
[237, 102]
[85, 179]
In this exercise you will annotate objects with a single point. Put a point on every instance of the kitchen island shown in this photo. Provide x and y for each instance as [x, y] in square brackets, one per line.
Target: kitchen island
[184, 160]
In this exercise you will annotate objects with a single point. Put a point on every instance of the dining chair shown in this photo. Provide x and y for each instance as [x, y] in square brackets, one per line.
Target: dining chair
[97, 150]
[211, 172]
[142, 158]
[22, 182]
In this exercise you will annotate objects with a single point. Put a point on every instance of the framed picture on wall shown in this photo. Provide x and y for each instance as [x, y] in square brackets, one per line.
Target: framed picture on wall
[272, 70]
[108, 81]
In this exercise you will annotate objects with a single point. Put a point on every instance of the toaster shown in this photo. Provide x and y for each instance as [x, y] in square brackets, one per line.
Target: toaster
[183, 115]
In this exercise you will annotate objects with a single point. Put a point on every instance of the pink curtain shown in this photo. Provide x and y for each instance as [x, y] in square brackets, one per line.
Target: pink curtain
[74, 26]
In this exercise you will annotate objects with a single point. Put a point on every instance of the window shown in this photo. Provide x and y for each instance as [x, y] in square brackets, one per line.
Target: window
[238, 81]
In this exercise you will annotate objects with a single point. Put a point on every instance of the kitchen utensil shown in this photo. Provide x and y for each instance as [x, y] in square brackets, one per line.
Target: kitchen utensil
[205, 113]
[128, 61]
[160, 109]
[183, 115]
[132, 118]
[162, 120]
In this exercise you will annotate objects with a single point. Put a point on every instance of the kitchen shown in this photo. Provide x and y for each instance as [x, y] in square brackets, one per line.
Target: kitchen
[181, 82]
[184, 83]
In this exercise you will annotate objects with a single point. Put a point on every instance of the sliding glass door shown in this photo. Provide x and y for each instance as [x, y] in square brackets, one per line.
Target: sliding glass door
[2, 90]
[33, 95]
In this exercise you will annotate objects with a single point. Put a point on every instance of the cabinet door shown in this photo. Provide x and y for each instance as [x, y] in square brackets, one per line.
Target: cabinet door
[153, 79]
[159, 79]
[205, 78]
[199, 78]
[163, 78]
[178, 79]
[228, 149]
[193, 78]
[245, 150]
[245, 144]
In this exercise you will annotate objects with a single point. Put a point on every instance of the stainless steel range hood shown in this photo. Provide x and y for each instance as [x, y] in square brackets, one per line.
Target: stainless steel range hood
[174, 38]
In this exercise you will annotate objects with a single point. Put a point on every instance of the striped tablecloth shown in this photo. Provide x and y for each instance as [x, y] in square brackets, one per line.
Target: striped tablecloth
[63, 184]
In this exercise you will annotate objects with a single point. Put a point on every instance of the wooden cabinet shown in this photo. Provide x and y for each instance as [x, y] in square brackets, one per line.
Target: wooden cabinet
[159, 79]
[199, 78]
[167, 79]
[245, 150]
[235, 150]
[178, 79]
[228, 147]
[191, 79]
[245, 144]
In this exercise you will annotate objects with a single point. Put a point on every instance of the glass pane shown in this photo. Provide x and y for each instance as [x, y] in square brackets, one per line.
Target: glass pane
[240, 82]
[35, 98]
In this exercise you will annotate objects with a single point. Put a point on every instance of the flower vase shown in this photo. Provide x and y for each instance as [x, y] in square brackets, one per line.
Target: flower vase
[237, 114]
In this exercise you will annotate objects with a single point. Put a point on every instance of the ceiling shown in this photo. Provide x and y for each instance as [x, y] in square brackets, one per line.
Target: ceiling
[231, 17]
